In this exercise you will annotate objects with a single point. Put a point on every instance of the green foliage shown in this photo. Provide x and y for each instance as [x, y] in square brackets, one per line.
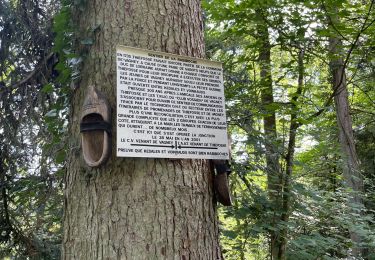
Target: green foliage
[39, 70]
[36, 65]
[320, 215]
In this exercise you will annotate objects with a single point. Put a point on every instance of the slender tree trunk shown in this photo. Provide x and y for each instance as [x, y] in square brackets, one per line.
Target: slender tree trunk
[5, 223]
[134, 208]
[274, 178]
[290, 154]
[351, 171]
[350, 163]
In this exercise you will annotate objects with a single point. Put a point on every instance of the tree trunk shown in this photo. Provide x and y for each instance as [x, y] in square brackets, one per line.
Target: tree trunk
[290, 155]
[351, 171]
[274, 178]
[134, 208]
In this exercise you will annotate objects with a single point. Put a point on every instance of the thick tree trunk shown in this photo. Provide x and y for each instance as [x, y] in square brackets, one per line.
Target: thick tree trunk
[134, 208]
[351, 170]
[274, 179]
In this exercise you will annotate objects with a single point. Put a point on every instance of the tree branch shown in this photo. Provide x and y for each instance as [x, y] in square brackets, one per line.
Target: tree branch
[364, 27]
[33, 73]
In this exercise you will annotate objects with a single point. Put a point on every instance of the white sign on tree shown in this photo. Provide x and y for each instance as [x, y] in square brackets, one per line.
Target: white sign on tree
[169, 106]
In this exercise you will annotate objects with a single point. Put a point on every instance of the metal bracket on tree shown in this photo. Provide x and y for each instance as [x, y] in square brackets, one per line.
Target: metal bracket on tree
[221, 182]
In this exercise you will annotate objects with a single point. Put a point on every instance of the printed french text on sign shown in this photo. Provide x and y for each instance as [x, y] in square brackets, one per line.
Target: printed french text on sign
[169, 106]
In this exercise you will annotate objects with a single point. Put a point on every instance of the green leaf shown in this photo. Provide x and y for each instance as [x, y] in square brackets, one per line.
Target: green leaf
[230, 234]
[48, 88]
[60, 156]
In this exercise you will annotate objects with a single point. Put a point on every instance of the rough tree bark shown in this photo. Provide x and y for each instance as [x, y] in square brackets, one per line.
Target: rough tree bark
[351, 168]
[135, 208]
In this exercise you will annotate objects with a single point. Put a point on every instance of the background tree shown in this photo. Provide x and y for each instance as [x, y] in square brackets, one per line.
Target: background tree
[351, 165]
[311, 186]
[30, 178]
